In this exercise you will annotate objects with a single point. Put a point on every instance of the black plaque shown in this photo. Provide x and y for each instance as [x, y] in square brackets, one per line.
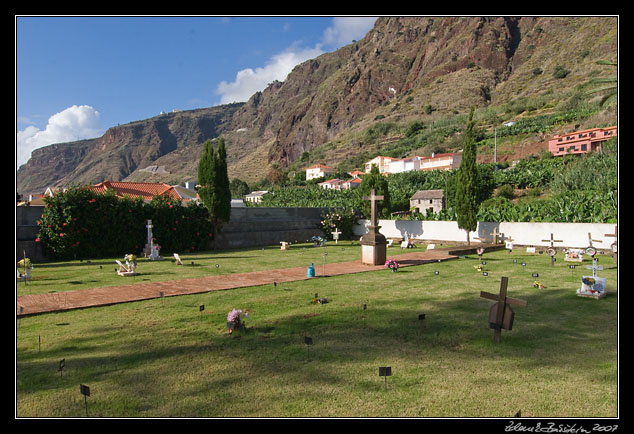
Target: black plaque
[202, 307]
[85, 390]
[308, 340]
[421, 316]
[385, 371]
[535, 274]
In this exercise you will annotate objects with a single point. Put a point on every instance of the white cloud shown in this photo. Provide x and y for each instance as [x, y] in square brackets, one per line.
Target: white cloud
[346, 29]
[73, 123]
[248, 81]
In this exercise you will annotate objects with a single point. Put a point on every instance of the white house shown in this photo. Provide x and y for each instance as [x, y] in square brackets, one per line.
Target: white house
[255, 196]
[405, 165]
[317, 171]
[441, 161]
[382, 162]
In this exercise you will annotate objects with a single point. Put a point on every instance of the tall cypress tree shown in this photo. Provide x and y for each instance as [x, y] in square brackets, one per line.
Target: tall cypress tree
[207, 177]
[223, 192]
[466, 200]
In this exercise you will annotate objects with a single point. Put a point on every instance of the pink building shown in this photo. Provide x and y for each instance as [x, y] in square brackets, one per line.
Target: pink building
[580, 142]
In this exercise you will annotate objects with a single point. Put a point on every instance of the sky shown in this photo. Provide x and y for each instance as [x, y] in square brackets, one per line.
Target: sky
[77, 76]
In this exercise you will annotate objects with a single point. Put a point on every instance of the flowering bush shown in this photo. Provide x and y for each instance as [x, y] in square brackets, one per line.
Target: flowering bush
[392, 264]
[342, 219]
[80, 223]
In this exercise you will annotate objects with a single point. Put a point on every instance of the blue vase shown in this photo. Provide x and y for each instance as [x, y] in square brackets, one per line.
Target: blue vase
[311, 271]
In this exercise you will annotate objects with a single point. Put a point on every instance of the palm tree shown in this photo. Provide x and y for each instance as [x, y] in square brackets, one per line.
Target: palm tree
[607, 84]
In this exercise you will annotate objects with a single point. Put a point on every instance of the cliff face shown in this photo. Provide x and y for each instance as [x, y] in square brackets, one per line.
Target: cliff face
[402, 65]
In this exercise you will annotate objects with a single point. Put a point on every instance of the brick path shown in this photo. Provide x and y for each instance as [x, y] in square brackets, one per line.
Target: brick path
[68, 300]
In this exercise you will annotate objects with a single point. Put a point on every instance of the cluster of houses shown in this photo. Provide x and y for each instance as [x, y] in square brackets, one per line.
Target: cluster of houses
[578, 142]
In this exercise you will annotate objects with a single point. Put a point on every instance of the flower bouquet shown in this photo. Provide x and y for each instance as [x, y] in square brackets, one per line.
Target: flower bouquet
[537, 284]
[234, 319]
[391, 264]
[478, 267]
[24, 266]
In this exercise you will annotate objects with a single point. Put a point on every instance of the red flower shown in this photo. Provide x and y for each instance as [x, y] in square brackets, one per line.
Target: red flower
[61, 234]
[37, 240]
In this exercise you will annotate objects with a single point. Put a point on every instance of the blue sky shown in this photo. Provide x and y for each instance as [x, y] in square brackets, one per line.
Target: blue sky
[75, 77]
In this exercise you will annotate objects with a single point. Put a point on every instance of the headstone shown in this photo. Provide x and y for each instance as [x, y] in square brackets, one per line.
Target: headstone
[373, 243]
[335, 235]
[495, 234]
[123, 270]
[285, 245]
[178, 259]
[574, 255]
[509, 244]
[592, 286]
[500, 314]
[151, 251]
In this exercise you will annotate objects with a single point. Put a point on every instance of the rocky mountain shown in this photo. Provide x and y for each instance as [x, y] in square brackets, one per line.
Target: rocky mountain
[404, 69]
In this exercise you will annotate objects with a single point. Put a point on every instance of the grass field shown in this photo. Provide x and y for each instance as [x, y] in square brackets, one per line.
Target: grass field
[166, 358]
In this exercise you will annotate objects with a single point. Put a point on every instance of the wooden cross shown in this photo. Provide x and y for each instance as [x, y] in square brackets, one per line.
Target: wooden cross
[373, 198]
[495, 234]
[501, 315]
[552, 256]
[614, 245]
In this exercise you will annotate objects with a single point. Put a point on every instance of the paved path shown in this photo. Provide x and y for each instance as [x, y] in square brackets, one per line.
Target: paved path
[68, 300]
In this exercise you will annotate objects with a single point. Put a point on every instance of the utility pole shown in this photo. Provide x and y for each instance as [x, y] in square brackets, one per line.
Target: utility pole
[495, 155]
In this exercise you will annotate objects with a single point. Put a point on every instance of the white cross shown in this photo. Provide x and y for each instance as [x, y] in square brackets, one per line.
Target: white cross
[335, 235]
[594, 267]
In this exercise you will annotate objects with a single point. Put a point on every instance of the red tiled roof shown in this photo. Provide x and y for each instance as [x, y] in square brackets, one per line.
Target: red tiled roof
[134, 189]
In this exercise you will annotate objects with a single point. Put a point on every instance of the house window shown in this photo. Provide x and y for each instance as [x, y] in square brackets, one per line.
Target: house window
[584, 147]
[561, 149]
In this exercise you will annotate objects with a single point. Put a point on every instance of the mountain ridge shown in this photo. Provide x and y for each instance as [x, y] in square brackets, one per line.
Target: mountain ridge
[401, 68]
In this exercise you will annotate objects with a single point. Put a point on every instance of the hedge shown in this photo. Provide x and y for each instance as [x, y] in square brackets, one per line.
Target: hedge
[80, 224]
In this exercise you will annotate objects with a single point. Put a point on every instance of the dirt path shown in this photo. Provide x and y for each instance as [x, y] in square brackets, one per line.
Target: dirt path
[68, 300]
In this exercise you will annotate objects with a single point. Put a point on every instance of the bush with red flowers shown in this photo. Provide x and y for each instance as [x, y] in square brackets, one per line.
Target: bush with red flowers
[80, 223]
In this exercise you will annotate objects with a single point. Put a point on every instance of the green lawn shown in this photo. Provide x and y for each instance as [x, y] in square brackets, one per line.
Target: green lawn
[166, 358]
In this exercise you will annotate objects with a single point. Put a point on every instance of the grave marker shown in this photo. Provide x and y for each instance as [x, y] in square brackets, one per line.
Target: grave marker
[500, 314]
[552, 251]
[85, 390]
[613, 245]
[495, 234]
[373, 243]
[335, 235]
[151, 251]
[385, 371]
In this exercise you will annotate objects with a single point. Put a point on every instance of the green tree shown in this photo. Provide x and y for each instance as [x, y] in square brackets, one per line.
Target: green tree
[214, 184]
[466, 201]
[223, 192]
[374, 180]
[239, 188]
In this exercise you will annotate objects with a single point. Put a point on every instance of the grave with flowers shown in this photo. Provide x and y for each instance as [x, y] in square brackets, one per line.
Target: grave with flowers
[235, 320]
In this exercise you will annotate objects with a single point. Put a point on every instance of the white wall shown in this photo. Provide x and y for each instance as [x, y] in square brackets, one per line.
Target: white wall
[525, 234]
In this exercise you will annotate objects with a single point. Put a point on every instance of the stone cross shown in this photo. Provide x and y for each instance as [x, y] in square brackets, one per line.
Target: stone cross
[495, 234]
[614, 246]
[594, 267]
[373, 198]
[501, 315]
[335, 235]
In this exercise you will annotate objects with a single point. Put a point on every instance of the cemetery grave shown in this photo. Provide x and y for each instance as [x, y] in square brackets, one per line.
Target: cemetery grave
[168, 358]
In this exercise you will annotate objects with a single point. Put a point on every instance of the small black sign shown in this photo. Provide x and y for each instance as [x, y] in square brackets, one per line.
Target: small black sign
[85, 390]
[523, 264]
[385, 371]
[535, 275]
[484, 273]
[308, 340]
[62, 363]
[436, 273]
[572, 267]
[484, 262]
[365, 306]
[515, 261]
[202, 307]
[421, 316]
